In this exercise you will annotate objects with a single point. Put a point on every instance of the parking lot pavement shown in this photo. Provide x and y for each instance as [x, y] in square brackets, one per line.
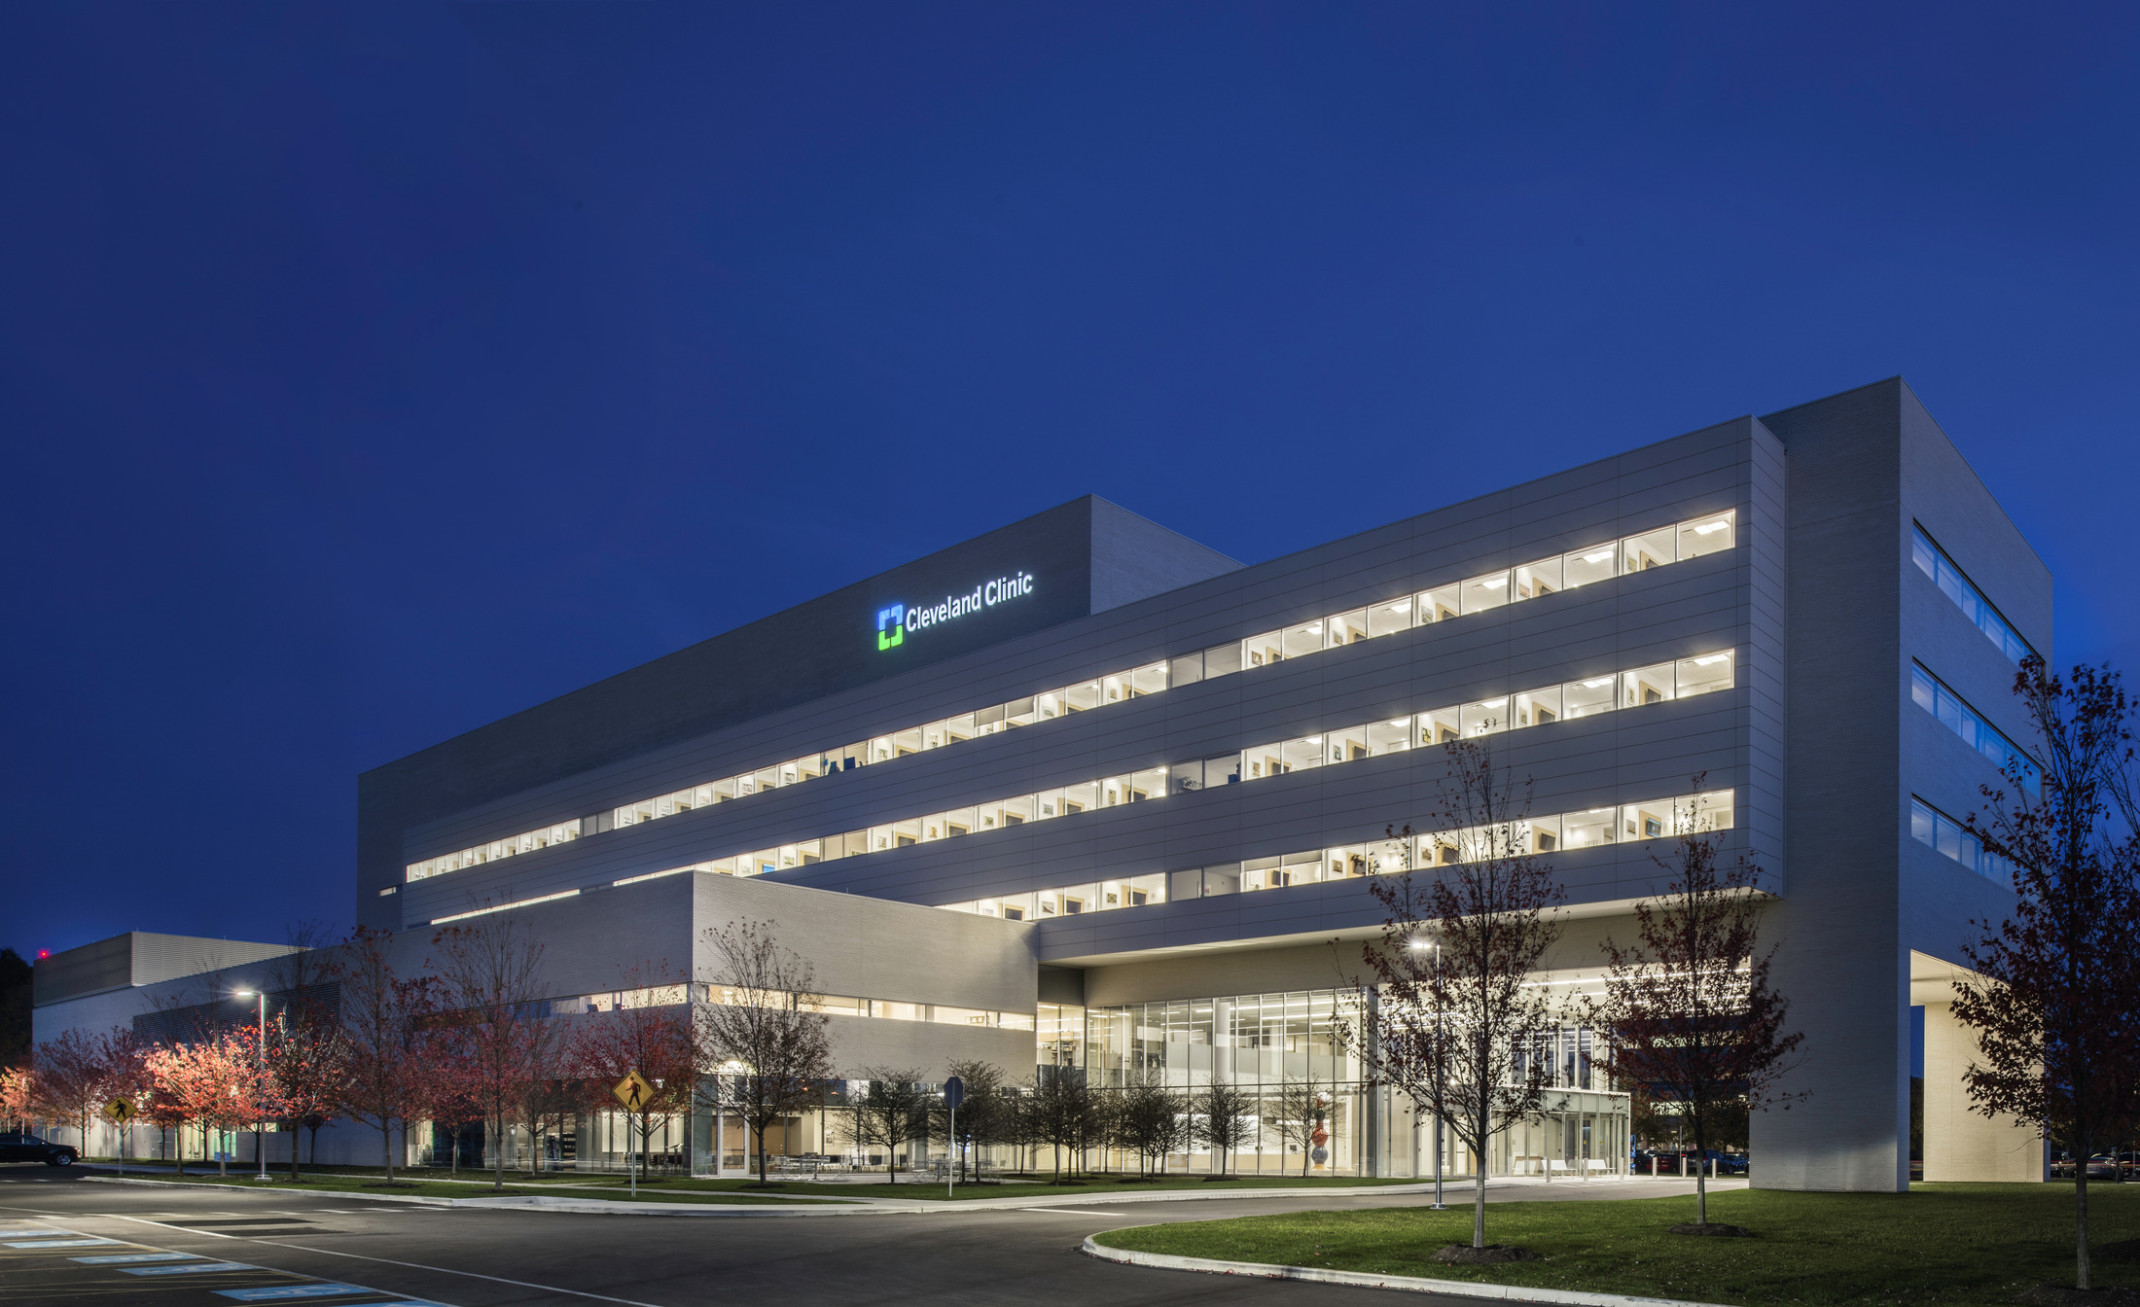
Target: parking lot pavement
[281, 1244]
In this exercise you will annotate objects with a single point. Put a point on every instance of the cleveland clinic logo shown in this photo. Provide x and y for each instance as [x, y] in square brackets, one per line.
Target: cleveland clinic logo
[895, 620]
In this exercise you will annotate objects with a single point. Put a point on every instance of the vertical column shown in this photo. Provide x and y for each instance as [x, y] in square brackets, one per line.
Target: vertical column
[1375, 1099]
[1961, 1144]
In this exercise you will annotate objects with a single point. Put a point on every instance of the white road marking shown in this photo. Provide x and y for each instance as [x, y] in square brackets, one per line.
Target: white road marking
[402, 1299]
[447, 1270]
[1071, 1211]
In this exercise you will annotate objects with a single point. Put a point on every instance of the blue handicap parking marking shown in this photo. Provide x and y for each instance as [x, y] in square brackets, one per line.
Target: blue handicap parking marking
[62, 1243]
[116, 1259]
[286, 1292]
[188, 1268]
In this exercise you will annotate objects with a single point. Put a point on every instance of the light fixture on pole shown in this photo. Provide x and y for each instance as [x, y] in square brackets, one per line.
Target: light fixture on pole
[259, 1141]
[1441, 1056]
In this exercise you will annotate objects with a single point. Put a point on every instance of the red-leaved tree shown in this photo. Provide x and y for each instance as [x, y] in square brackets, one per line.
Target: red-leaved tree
[491, 981]
[649, 1030]
[2055, 999]
[74, 1080]
[204, 1083]
[1687, 1012]
[383, 1022]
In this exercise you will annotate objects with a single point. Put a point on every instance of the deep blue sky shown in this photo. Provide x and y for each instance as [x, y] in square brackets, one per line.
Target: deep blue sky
[370, 372]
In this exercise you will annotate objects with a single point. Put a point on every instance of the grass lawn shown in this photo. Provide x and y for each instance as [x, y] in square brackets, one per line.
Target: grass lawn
[1937, 1244]
[428, 1188]
[1094, 1188]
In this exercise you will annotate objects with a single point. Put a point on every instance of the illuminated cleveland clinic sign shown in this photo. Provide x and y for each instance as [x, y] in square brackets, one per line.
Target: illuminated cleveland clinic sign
[895, 620]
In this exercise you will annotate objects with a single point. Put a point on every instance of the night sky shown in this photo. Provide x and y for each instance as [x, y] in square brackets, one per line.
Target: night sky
[370, 372]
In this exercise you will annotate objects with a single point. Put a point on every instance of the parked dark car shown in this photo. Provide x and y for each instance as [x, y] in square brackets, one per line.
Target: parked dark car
[1649, 1161]
[29, 1148]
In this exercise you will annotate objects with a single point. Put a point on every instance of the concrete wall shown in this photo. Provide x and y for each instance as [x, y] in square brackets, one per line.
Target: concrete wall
[1083, 554]
[1729, 601]
[1961, 1144]
[1842, 965]
[1860, 893]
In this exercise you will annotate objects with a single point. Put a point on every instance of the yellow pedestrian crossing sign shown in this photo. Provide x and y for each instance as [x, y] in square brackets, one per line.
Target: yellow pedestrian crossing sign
[633, 1091]
[120, 1110]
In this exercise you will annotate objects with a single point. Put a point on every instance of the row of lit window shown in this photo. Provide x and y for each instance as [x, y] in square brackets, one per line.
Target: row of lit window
[1933, 695]
[1646, 685]
[1477, 594]
[1668, 544]
[1956, 585]
[1589, 828]
[829, 1004]
[1585, 698]
[1936, 830]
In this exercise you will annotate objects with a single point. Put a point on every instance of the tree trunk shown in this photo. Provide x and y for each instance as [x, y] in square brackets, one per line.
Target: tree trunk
[2080, 1223]
[1478, 1208]
[1483, 1122]
[386, 1150]
[1701, 1171]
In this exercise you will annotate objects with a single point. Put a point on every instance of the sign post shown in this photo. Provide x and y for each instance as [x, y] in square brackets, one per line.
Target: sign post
[954, 1094]
[634, 1092]
[121, 1111]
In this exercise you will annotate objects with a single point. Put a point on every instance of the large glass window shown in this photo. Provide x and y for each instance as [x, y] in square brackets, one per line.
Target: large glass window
[1956, 585]
[1931, 694]
[1667, 818]
[1936, 830]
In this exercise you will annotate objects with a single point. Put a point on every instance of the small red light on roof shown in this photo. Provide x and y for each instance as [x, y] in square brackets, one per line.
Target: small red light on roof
[44, 953]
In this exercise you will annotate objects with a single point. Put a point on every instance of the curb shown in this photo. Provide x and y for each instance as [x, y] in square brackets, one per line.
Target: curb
[1363, 1280]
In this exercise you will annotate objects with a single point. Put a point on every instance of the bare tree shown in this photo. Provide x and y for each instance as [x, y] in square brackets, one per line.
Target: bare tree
[382, 1018]
[2055, 999]
[491, 980]
[983, 1118]
[1687, 1011]
[1063, 1114]
[891, 1114]
[1220, 1120]
[1460, 939]
[1148, 1120]
[765, 1025]
[1296, 1113]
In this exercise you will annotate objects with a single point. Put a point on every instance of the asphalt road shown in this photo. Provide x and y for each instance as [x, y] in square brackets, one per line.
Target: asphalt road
[64, 1240]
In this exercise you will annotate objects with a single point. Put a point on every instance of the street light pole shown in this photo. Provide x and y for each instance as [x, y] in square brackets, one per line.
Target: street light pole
[1441, 1055]
[260, 1087]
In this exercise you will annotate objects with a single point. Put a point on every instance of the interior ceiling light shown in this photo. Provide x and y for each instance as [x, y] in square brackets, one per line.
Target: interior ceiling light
[1488, 583]
[1597, 682]
[1598, 557]
[1711, 660]
[1708, 528]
